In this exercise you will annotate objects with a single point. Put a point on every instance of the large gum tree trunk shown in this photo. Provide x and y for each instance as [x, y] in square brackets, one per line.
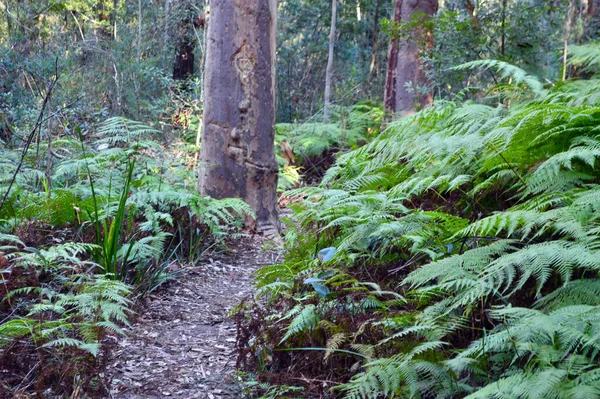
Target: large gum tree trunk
[404, 65]
[238, 155]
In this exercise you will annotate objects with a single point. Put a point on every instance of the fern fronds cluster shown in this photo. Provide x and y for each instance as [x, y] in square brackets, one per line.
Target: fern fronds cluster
[487, 218]
[83, 233]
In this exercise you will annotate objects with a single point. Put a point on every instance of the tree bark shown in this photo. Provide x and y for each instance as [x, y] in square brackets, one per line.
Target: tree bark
[566, 35]
[183, 68]
[374, 41]
[503, 39]
[113, 17]
[329, 70]
[404, 65]
[104, 17]
[139, 40]
[389, 97]
[238, 155]
[166, 23]
[374, 48]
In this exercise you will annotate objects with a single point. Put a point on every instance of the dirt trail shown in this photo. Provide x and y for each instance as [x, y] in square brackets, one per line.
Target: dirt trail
[182, 343]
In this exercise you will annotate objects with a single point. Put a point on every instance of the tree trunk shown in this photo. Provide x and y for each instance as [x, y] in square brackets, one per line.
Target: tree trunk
[389, 97]
[503, 39]
[183, 68]
[139, 40]
[166, 23]
[113, 17]
[374, 47]
[238, 155]
[566, 35]
[404, 65]
[329, 70]
[374, 41]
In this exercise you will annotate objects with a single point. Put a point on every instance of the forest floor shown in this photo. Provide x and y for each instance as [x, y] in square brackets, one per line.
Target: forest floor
[182, 341]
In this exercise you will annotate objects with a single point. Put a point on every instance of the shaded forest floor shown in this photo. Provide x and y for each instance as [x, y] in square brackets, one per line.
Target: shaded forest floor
[182, 341]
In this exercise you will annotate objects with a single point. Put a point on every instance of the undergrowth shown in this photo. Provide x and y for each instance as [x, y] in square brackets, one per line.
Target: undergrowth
[468, 255]
[306, 150]
[92, 221]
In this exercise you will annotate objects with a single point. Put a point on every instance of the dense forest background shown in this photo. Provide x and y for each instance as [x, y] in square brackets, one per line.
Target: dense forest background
[144, 60]
[450, 249]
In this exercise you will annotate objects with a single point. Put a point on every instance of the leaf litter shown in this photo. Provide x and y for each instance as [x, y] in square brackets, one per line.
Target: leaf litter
[182, 342]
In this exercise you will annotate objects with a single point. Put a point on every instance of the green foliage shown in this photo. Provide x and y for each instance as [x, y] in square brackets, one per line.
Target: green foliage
[487, 217]
[349, 127]
[516, 75]
[72, 309]
[313, 144]
[126, 191]
[105, 213]
[587, 55]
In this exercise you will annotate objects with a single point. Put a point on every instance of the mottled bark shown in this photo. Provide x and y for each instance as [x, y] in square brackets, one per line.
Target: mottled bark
[139, 39]
[329, 70]
[404, 64]
[503, 38]
[566, 36]
[374, 39]
[389, 98]
[167, 12]
[374, 48]
[238, 155]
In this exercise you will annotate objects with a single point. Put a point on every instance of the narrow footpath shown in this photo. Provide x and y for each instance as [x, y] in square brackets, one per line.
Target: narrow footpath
[182, 341]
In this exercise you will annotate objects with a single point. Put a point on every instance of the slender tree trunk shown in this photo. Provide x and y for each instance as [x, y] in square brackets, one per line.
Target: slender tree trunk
[113, 17]
[105, 18]
[8, 23]
[139, 40]
[329, 70]
[389, 97]
[166, 25]
[238, 155]
[503, 40]
[374, 48]
[567, 34]
[374, 41]
[50, 129]
[404, 65]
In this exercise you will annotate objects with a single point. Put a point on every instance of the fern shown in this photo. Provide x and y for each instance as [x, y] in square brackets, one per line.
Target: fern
[507, 70]
[587, 55]
[485, 219]
[121, 130]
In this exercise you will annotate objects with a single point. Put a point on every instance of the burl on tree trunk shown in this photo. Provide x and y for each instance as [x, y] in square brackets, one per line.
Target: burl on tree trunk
[238, 155]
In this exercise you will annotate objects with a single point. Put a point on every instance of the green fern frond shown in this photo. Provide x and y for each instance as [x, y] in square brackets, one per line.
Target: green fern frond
[506, 70]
